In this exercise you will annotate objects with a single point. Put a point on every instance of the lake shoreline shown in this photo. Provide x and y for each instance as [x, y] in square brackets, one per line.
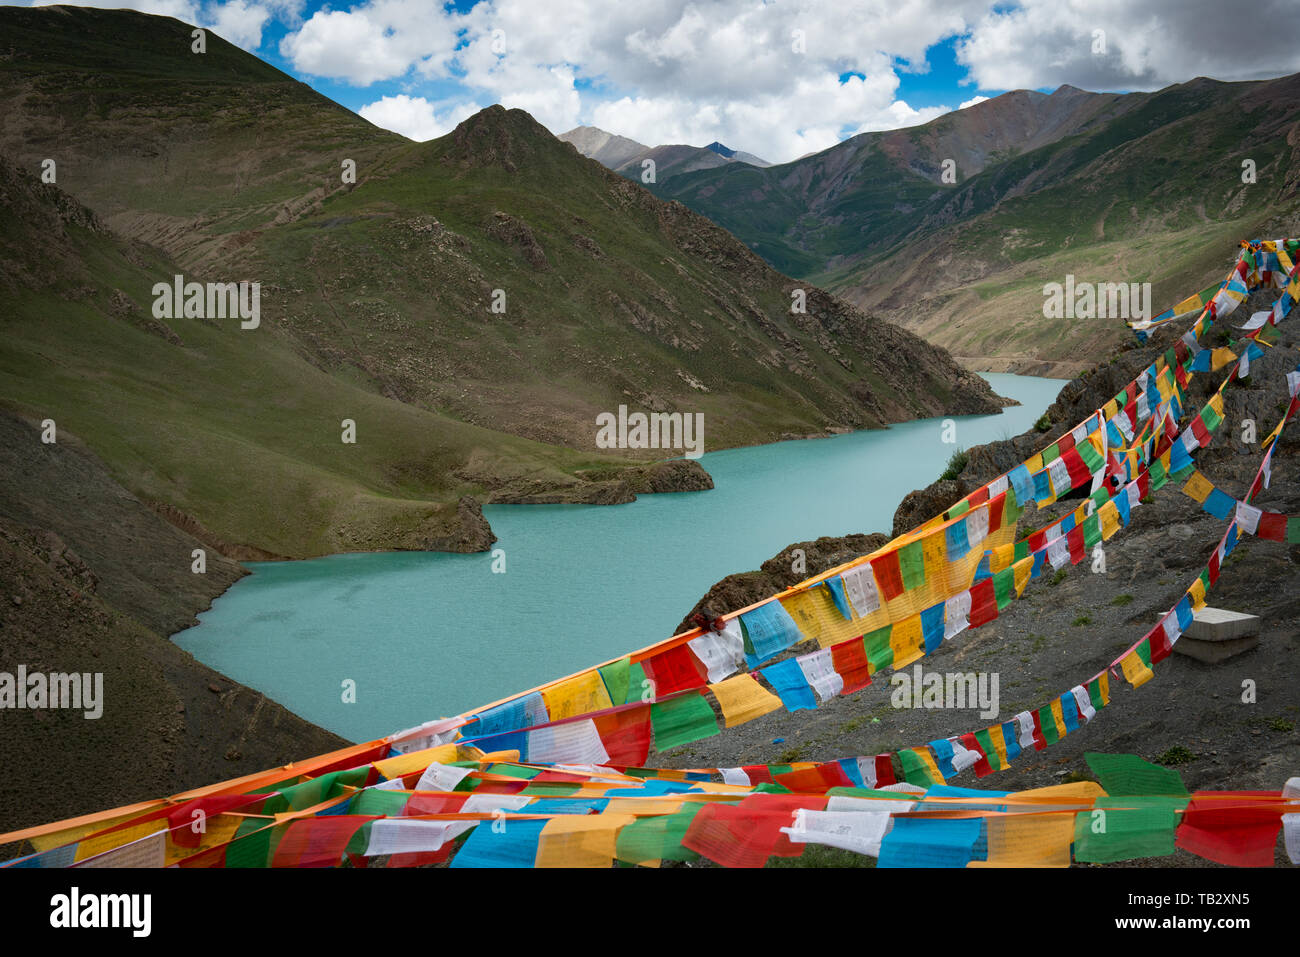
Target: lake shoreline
[312, 618]
[237, 553]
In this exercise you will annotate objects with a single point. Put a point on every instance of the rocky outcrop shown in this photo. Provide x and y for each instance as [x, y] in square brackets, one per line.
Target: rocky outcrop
[469, 531]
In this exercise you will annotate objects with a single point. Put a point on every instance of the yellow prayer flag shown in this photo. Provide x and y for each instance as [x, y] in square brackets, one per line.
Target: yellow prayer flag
[907, 641]
[999, 744]
[1002, 557]
[107, 842]
[1028, 840]
[580, 840]
[931, 767]
[1109, 515]
[395, 767]
[581, 694]
[1197, 593]
[1103, 685]
[1198, 487]
[1023, 571]
[1135, 670]
[1221, 357]
[743, 699]
[1059, 718]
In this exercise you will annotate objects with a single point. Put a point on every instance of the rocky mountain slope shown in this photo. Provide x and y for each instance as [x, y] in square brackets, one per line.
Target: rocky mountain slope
[471, 304]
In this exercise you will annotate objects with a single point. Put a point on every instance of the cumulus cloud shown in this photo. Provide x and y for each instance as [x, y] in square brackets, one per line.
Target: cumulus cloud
[1110, 45]
[762, 77]
[663, 71]
[416, 117]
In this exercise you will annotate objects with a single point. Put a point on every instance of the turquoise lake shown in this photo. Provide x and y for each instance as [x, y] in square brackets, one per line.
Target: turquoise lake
[426, 634]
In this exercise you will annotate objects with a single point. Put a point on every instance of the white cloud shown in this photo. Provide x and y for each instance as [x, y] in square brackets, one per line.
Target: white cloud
[239, 22]
[380, 40]
[662, 71]
[416, 117]
[972, 101]
[1047, 43]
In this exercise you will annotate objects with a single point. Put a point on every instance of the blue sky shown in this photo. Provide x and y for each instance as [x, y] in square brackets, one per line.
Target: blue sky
[777, 78]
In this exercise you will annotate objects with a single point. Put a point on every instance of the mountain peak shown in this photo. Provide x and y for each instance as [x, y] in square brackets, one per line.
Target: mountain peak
[721, 150]
[496, 136]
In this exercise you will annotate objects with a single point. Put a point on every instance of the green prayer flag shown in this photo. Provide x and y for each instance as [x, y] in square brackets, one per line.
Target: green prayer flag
[1126, 828]
[1091, 530]
[616, 677]
[682, 720]
[1094, 694]
[915, 770]
[657, 838]
[911, 562]
[986, 744]
[880, 654]
[1049, 724]
[1128, 774]
[1004, 586]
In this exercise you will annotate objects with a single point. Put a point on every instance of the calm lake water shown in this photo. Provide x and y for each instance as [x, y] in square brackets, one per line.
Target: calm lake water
[425, 634]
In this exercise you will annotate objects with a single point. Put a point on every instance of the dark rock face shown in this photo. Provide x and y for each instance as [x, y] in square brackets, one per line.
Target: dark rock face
[513, 231]
[677, 475]
[923, 504]
[469, 533]
[791, 566]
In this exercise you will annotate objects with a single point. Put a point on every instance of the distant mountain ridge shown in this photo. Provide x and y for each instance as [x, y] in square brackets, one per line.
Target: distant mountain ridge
[1109, 187]
[626, 157]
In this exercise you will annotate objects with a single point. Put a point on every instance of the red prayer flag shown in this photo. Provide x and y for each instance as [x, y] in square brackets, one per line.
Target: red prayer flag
[317, 841]
[1237, 828]
[982, 766]
[674, 670]
[1272, 526]
[885, 770]
[849, 659]
[626, 735]
[1039, 741]
[983, 603]
[888, 575]
[1078, 551]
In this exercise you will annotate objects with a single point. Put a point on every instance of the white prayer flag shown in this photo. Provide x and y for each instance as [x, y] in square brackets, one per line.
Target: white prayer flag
[860, 586]
[1026, 722]
[487, 803]
[1248, 517]
[721, 652]
[399, 835]
[1084, 702]
[819, 671]
[857, 831]
[977, 525]
[441, 777]
[1058, 553]
[956, 615]
[577, 742]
